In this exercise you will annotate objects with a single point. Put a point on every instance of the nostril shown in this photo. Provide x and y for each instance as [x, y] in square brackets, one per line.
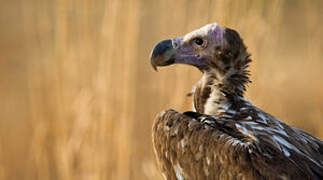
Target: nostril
[175, 44]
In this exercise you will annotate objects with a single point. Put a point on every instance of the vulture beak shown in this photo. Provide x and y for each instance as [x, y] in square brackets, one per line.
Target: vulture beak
[163, 54]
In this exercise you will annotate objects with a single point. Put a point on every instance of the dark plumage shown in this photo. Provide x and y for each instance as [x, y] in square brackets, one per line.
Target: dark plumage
[227, 137]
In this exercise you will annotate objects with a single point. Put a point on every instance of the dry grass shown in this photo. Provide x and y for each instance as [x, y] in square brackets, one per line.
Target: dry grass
[78, 95]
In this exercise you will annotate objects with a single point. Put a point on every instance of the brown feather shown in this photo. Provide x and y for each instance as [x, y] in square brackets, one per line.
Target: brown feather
[208, 148]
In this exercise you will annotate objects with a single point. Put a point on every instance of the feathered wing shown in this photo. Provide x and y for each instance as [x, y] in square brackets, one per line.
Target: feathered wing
[203, 147]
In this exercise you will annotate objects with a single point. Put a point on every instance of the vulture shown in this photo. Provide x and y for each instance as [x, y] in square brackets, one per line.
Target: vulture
[226, 136]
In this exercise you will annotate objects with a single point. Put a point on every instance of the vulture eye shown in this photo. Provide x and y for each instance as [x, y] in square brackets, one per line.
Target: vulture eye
[198, 41]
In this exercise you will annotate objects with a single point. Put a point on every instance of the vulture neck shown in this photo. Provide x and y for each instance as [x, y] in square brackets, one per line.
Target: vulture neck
[219, 93]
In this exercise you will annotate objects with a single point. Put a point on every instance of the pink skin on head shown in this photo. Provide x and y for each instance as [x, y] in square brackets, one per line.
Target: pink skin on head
[185, 51]
[195, 48]
[213, 31]
[217, 34]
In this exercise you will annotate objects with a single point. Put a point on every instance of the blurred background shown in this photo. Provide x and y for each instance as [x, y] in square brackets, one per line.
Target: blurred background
[78, 94]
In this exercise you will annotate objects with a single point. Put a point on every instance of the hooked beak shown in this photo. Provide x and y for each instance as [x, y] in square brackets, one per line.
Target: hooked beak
[170, 52]
[163, 54]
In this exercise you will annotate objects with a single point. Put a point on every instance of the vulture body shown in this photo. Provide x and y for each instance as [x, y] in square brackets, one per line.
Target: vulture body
[226, 137]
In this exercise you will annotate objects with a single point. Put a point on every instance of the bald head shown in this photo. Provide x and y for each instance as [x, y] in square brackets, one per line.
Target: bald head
[207, 48]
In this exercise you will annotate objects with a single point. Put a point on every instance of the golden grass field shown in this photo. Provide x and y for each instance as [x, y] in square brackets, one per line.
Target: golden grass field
[78, 95]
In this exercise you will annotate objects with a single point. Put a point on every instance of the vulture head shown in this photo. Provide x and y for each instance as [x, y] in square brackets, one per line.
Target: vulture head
[212, 49]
